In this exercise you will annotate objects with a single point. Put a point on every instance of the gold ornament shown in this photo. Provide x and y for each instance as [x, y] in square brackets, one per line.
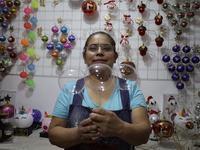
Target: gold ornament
[128, 32]
[177, 38]
[39, 31]
[2, 47]
[25, 46]
[162, 30]
[55, 2]
[11, 28]
[99, 2]
[107, 17]
[37, 57]
[139, 20]
[60, 20]
[26, 17]
[42, 3]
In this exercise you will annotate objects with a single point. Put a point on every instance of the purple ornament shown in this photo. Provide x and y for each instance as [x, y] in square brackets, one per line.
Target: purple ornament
[2, 4]
[166, 58]
[71, 38]
[50, 46]
[189, 68]
[171, 68]
[5, 10]
[55, 29]
[8, 109]
[180, 85]
[67, 45]
[175, 76]
[180, 68]
[195, 59]
[185, 60]
[176, 59]
[37, 115]
[176, 48]
[186, 49]
[185, 77]
[4, 25]
[10, 48]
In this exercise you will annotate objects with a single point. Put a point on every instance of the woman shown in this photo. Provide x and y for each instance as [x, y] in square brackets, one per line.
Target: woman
[119, 126]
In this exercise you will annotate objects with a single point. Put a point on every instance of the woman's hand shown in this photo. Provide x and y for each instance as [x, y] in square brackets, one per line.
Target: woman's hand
[108, 123]
[88, 132]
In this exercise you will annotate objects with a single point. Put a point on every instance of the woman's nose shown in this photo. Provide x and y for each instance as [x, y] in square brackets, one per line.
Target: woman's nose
[99, 50]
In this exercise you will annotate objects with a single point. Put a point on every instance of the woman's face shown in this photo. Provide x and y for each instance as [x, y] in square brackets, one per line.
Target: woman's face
[107, 57]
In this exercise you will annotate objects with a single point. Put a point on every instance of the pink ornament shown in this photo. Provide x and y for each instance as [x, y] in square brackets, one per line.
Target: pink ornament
[46, 122]
[55, 29]
[27, 11]
[67, 45]
[183, 114]
[23, 57]
[8, 109]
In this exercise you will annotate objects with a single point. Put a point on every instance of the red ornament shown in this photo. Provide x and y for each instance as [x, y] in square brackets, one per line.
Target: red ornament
[141, 29]
[8, 16]
[143, 50]
[27, 25]
[184, 24]
[179, 32]
[170, 15]
[127, 70]
[89, 7]
[23, 74]
[159, 1]
[190, 15]
[11, 39]
[158, 19]
[174, 22]
[141, 7]
[159, 41]
[165, 6]
[13, 55]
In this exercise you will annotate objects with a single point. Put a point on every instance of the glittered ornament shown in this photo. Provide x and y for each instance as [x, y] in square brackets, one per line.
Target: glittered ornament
[171, 68]
[27, 25]
[63, 29]
[174, 22]
[181, 15]
[27, 11]
[71, 38]
[186, 49]
[143, 50]
[9, 3]
[31, 35]
[30, 83]
[17, 3]
[59, 62]
[184, 24]
[176, 6]
[158, 19]
[13, 55]
[2, 69]
[50, 46]
[8, 16]
[33, 20]
[176, 48]
[159, 41]
[190, 15]
[55, 29]
[54, 39]
[178, 32]
[141, 7]
[54, 54]
[165, 6]
[11, 39]
[180, 68]
[2, 47]
[189, 68]
[185, 77]
[34, 4]
[23, 57]
[195, 6]
[67, 45]
[185, 59]
[44, 38]
[8, 109]
[126, 70]
[37, 115]
[31, 67]
[5, 10]
[141, 29]
[175, 76]
[24, 42]
[170, 16]
[195, 59]
[180, 85]
[2, 38]
[63, 54]
[186, 6]
[23, 74]
[89, 7]
[166, 58]
[63, 39]
[59, 46]
[176, 59]
[4, 25]
[2, 4]
[159, 1]
[13, 11]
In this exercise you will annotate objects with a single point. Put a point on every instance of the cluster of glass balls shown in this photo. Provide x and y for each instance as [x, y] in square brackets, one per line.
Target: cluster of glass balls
[181, 64]
[59, 47]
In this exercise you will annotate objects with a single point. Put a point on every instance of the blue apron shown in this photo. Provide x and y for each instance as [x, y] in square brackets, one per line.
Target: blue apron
[77, 113]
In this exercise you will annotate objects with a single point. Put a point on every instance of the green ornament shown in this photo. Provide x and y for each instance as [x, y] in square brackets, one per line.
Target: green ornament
[31, 35]
[45, 38]
[35, 4]
[31, 52]
[30, 82]
[2, 62]
[59, 62]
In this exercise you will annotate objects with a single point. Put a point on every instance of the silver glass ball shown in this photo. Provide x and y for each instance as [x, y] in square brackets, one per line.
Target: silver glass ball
[197, 118]
[54, 39]
[63, 54]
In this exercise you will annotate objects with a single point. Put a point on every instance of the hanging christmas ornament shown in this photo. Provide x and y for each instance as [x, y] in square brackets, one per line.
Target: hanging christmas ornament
[176, 6]
[63, 29]
[31, 35]
[35, 4]
[63, 54]
[186, 6]
[71, 38]
[181, 15]
[180, 68]
[63, 39]
[2, 47]
[5, 10]
[189, 68]
[2, 38]
[13, 11]
[59, 46]
[50, 46]
[127, 20]
[195, 6]
[24, 42]
[111, 5]
[54, 54]
[184, 24]
[124, 40]
[54, 39]
[17, 3]
[141, 29]
[4, 25]
[89, 7]
[27, 11]
[23, 57]
[126, 70]
[170, 16]
[108, 27]
[143, 50]
[158, 19]
[27, 25]
[159, 1]
[33, 20]
[178, 32]
[159, 41]
[8, 63]
[176, 59]
[166, 58]
[180, 85]
[30, 83]
[55, 29]
[171, 68]
[195, 59]
[31, 67]
[31, 52]
[165, 6]
[2, 62]
[175, 76]
[185, 77]
[141, 7]
[9, 3]
[189, 125]
[185, 59]
[8, 16]
[59, 62]
[1, 19]
[11, 39]
[13, 55]
[176, 48]
[186, 49]
[174, 22]
[67, 45]
[44, 38]
[23, 74]
[8, 109]
[2, 69]
[2, 4]
[190, 15]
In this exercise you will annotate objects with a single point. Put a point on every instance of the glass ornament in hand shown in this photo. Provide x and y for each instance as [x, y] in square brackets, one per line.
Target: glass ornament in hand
[99, 78]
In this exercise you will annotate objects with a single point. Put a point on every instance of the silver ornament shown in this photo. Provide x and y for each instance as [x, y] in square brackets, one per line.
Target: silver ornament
[54, 39]
[63, 54]
[197, 118]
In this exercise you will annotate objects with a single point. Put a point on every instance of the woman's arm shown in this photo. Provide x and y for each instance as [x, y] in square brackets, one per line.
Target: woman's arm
[64, 137]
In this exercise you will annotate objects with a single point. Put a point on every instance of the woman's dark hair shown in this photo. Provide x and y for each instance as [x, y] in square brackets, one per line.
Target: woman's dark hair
[112, 41]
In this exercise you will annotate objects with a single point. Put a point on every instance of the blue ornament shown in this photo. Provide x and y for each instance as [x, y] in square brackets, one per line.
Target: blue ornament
[4, 25]
[34, 20]
[186, 49]
[180, 68]
[176, 59]
[5, 10]
[64, 29]
[171, 68]
[189, 68]
[166, 58]
[175, 76]
[180, 85]
[195, 59]
[71, 38]
[50, 46]
[185, 77]
[59, 46]
[2, 38]
[176, 48]
[31, 66]
[185, 60]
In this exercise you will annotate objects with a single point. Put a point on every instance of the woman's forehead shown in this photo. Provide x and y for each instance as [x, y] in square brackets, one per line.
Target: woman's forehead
[99, 38]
